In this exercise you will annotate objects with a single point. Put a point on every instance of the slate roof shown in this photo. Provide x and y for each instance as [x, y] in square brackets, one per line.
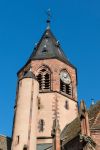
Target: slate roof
[29, 74]
[73, 129]
[48, 47]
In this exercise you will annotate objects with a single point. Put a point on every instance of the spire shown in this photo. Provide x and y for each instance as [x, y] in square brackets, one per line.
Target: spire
[48, 47]
[48, 18]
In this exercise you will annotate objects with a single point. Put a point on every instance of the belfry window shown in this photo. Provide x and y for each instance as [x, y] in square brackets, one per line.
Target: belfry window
[65, 82]
[65, 88]
[43, 78]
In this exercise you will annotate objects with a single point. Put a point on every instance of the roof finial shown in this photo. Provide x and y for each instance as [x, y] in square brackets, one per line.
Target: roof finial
[48, 18]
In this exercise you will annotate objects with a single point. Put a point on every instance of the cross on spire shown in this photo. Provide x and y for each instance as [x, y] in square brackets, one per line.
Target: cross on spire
[48, 18]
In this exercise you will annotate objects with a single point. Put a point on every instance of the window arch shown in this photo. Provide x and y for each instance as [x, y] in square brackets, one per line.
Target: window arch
[44, 78]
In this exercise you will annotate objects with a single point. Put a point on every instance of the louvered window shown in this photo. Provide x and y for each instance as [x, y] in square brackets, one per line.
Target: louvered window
[65, 88]
[43, 78]
[39, 78]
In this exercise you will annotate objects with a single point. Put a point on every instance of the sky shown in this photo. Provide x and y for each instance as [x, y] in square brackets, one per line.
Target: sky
[75, 23]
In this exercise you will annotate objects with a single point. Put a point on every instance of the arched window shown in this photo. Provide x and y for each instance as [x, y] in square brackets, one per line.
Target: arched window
[43, 78]
[65, 88]
[65, 83]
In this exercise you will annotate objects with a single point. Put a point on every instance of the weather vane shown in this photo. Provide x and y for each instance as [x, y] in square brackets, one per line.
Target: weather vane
[48, 17]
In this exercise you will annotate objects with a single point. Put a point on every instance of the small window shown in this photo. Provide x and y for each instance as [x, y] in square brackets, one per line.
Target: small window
[39, 103]
[25, 147]
[17, 140]
[46, 36]
[44, 51]
[66, 105]
[41, 125]
[58, 44]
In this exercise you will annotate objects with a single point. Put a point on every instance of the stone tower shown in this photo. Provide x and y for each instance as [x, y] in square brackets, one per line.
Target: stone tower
[56, 99]
[24, 129]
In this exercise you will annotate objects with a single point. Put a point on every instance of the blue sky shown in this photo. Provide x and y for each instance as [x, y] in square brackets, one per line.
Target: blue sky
[75, 23]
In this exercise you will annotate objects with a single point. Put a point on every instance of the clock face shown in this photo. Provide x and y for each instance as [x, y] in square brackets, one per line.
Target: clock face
[65, 77]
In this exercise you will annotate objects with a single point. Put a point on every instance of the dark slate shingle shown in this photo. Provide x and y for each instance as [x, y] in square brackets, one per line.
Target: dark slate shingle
[47, 48]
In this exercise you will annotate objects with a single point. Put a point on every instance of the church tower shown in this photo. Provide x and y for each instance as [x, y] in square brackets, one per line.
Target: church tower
[53, 87]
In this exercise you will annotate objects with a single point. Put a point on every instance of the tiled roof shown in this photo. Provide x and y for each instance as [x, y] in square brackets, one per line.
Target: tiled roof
[96, 124]
[94, 116]
[73, 129]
